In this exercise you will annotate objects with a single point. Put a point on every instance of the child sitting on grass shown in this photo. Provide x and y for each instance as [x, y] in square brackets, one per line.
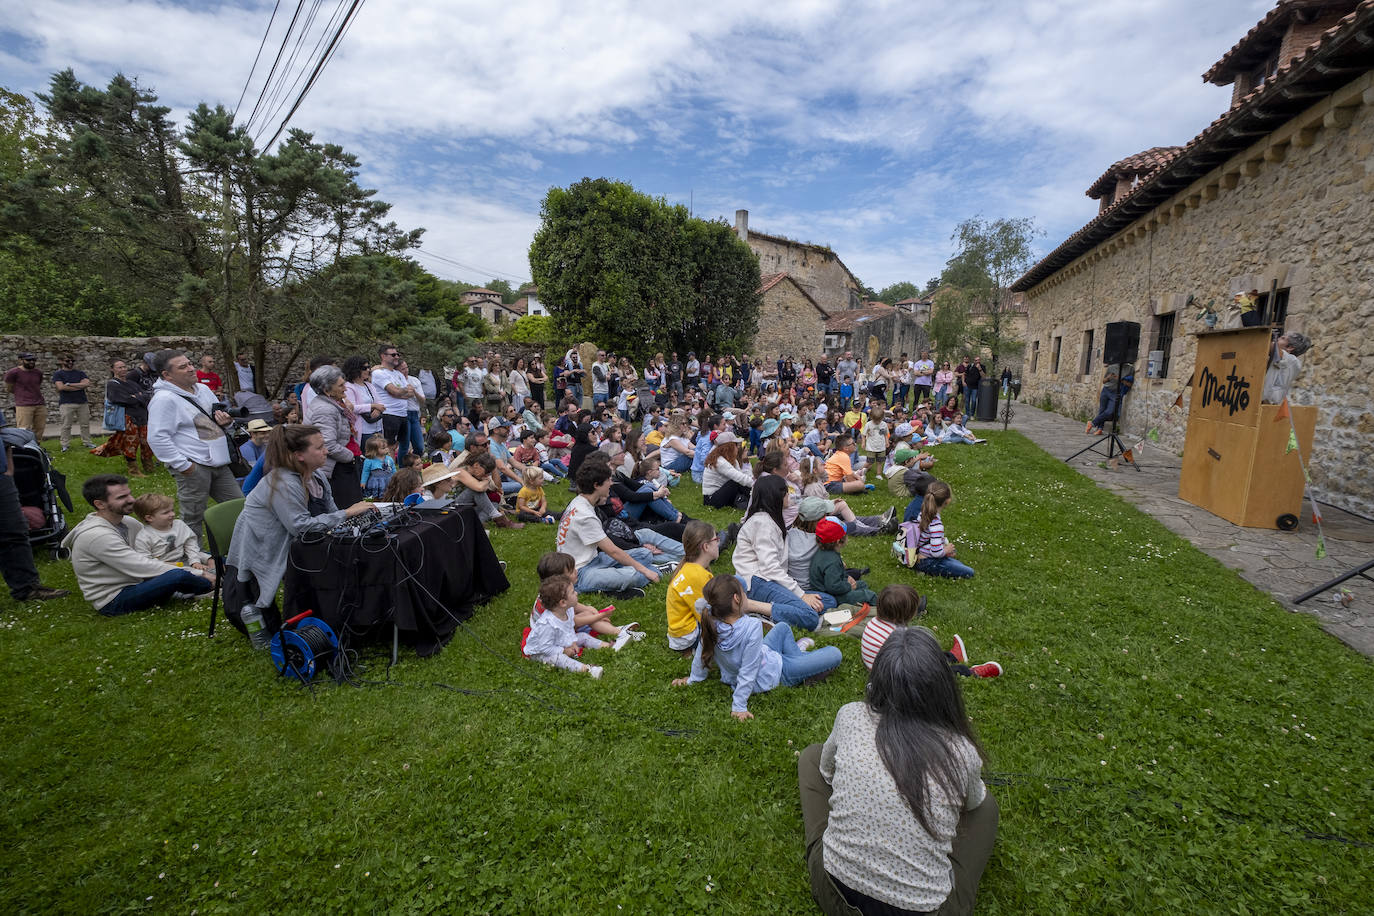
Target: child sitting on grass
[553, 638]
[378, 466]
[898, 605]
[531, 505]
[828, 573]
[166, 537]
[586, 618]
[749, 661]
[935, 554]
[700, 548]
[440, 447]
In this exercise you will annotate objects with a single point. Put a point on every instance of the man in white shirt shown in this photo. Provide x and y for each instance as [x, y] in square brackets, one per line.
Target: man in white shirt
[473, 373]
[925, 376]
[601, 565]
[243, 365]
[394, 393]
[601, 378]
[187, 434]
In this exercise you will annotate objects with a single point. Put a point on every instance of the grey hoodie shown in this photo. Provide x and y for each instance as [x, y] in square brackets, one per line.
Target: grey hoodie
[105, 560]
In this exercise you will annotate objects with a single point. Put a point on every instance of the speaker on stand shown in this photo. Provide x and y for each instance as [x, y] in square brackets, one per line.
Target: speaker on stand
[1120, 346]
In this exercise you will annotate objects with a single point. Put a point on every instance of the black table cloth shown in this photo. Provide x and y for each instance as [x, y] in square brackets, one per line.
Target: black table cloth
[425, 575]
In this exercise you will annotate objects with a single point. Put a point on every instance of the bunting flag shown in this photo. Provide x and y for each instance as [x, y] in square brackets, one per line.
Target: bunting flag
[1292, 441]
[1282, 413]
[1153, 434]
[1321, 547]
[1178, 401]
[1307, 478]
[1316, 515]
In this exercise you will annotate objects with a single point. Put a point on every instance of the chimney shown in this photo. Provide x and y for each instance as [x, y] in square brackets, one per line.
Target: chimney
[742, 225]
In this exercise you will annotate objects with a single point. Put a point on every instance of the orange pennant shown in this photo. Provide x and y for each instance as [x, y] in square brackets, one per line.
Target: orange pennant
[1178, 401]
[1283, 412]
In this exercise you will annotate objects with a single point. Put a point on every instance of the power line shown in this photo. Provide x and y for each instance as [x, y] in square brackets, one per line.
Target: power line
[257, 57]
[498, 274]
[280, 92]
[319, 68]
[300, 4]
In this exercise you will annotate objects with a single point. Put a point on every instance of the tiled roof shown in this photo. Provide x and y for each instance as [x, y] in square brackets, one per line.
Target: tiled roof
[774, 279]
[849, 319]
[1270, 28]
[1334, 59]
[1143, 164]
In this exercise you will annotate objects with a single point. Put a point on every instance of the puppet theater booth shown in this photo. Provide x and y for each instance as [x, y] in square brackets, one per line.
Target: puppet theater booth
[1236, 460]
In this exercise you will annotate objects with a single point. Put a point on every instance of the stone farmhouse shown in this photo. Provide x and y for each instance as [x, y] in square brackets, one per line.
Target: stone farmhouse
[787, 322]
[1273, 196]
[487, 304]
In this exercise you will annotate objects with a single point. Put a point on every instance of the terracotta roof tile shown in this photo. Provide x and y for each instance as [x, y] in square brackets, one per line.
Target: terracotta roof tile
[1272, 26]
[1324, 65]
[850, 319]
[1143, 164]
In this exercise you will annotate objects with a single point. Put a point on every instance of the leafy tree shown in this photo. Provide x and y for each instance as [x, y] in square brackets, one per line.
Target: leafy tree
[433, 344]
[899, 291]
[637, 273]
[530, 329]
[949, 324]
[990, 257]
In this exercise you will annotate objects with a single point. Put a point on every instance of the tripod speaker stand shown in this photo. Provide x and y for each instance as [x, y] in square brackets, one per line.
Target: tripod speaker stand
[1120, 347]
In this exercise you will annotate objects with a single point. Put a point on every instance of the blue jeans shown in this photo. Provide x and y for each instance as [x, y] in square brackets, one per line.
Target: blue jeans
[970, 402]
[604, 574]
[576, 392]
[460, 403]
[679, 464]
[155, 591]
[417, 434]
[948, 567]
[672, 550]
[787, 607]
[555, 468]
[510, 486]
[900, 394]
[798, 665]
[660, 507]
[1106, 406]
[598, 400]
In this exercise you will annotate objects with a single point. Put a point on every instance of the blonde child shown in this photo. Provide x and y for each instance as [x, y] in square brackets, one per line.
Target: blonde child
[898, 605]
[749, 661]
[531, 505]
[166, 537]
[586, 618]
[378, 466]
[553, 638]
[875, 436]
[813, 479]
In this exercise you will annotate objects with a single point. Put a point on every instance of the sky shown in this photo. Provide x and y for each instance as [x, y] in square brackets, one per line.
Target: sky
[871, 127]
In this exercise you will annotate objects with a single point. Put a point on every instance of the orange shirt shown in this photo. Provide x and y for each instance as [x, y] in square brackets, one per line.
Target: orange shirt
[838, 466]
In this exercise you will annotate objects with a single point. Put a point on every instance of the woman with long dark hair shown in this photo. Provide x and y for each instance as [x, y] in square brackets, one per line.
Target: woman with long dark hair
[896, 815]
[537, 377]
[760, 557]
[131, 442]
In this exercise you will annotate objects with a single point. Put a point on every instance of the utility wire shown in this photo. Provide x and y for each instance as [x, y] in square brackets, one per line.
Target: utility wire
[499, 274]
[257, 57]
[300, 4]
[280, 92]
[319, 68]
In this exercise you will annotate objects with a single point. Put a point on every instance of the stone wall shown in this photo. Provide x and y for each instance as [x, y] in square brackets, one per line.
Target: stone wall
[788, 323]
[888, 335]
[1293, 209]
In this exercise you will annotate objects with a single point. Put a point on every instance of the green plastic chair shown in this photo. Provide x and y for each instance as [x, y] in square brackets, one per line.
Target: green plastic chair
[219, 531]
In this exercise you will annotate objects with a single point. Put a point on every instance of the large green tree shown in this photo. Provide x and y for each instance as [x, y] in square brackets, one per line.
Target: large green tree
[989, 258]
[636, 273]
[896, 292]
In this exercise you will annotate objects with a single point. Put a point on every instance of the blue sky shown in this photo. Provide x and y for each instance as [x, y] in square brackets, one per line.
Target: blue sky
[873, 127]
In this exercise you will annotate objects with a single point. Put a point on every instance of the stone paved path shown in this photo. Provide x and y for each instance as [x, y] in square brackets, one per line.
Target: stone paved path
[1281, 563]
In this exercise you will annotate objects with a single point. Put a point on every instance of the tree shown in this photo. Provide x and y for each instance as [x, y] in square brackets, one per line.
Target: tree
[990, 257]
[640, 274]
[433, 344]
[949, 325]
[899, 291]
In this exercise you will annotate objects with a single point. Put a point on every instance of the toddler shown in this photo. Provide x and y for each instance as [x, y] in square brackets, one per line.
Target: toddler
[828, 573]
[166, 537]
[586, 618]
[898, 605]
[530, 503]
[378, 467]
[553, 638]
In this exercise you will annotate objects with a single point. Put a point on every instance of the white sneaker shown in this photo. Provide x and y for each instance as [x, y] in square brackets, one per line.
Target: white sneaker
[806, 644]
[594, 671]
[628, 634]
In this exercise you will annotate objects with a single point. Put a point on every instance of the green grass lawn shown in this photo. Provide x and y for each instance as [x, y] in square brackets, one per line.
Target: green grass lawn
[1165, 739]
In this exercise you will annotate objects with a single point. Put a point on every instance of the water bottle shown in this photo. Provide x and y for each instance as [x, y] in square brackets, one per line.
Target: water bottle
[251, 615]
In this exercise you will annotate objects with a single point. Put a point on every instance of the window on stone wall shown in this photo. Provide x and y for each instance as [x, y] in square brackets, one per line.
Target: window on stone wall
[1085, 354]
[1276, 315]
[1164, 341]
[1054, 355]
[1035, 355]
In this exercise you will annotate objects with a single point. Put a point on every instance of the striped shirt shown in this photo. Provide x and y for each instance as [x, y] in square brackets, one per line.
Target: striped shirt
[876, 633]
[932, 540]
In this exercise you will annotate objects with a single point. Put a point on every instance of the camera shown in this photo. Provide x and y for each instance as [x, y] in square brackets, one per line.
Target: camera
[237, 413]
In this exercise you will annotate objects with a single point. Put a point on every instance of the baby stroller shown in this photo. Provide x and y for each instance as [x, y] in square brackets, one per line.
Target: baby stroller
[40, 486]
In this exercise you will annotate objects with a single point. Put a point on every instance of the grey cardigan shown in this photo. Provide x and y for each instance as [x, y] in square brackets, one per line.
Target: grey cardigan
[330, 416]
[261, 543]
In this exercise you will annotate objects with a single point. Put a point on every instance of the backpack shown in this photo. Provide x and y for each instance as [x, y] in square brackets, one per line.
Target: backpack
[906, 546]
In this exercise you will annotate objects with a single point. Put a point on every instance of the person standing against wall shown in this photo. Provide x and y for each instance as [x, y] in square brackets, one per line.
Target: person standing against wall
[25, 383]
[71, 384]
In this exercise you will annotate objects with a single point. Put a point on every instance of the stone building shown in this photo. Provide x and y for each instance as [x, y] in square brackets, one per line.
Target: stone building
[875, 332]
[815, 268]
[1273, 196]
[487, 304]
[790, 321]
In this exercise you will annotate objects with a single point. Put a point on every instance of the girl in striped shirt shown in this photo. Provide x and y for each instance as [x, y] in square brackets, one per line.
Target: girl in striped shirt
[898, 605]
[935, 554]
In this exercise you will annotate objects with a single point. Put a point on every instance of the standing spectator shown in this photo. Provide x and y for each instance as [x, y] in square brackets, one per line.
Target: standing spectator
[693, 371]
[206, 374]
[331, 412]
[16, 556]
[537, 379]
[674, 380]
[114, 577]
[923, 376]
[130, 442]
[415, 428]
[362, 394]
[25, 382]
[71, 384]
[243, 365]
[473, 373]
[825, 377]
[573, 372]
[944, 380]
[189, 439]
[972, 376]
[393, 391]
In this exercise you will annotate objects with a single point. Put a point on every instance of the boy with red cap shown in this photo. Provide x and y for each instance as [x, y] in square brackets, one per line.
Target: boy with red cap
[828, 573]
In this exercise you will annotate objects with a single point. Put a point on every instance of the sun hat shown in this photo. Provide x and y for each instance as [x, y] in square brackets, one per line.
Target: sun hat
[259, 426]
[903, 430]
[812, 508]
[726, 437]
[828, 532]
[769, 427]
[435, 473]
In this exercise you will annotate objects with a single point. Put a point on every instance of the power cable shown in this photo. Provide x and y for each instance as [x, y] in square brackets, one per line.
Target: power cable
[319, 68]
[257, 57]
[281, 92]
[300, 4]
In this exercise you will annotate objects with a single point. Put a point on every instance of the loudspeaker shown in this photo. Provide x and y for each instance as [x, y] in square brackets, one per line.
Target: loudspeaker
[1122, 344]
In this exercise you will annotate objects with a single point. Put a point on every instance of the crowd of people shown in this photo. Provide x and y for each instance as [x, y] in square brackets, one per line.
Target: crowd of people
[783, 443]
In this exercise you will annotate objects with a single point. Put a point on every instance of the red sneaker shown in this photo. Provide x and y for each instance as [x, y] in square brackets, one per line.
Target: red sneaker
[987, 669]
[957, 650]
